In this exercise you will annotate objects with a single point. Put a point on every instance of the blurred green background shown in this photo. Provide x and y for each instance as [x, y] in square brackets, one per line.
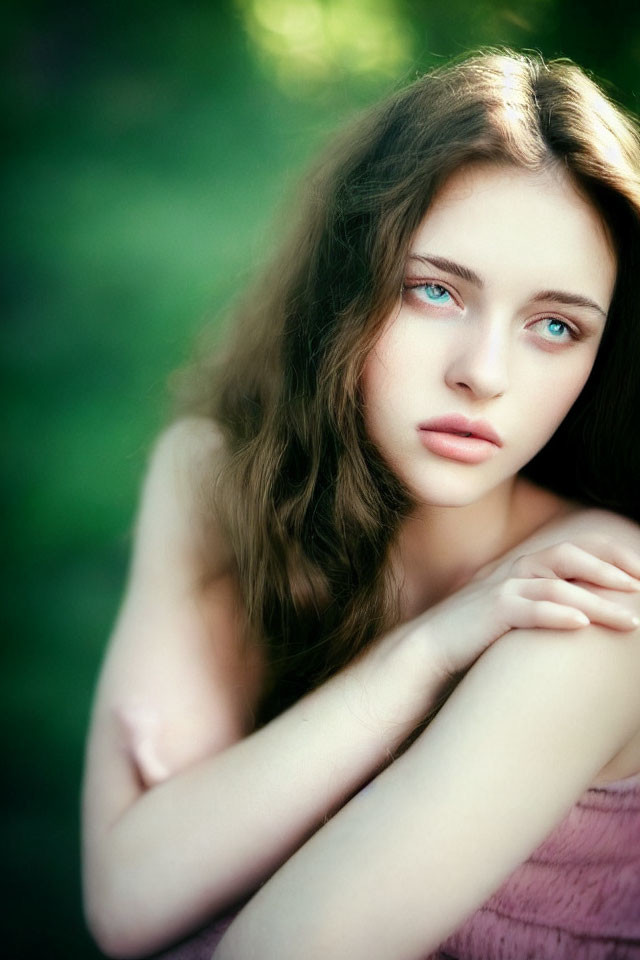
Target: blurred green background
[147, 147]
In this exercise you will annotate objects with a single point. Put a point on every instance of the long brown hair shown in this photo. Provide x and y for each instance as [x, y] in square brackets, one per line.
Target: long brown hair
[310, 508]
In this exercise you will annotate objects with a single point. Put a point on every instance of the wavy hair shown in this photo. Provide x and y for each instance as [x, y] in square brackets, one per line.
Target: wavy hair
[310, 508]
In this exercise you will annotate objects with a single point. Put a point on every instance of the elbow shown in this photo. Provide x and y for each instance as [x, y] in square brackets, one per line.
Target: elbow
[109, 936]
[115, 924]
[119, 940]
[112, 936]
[110, 943]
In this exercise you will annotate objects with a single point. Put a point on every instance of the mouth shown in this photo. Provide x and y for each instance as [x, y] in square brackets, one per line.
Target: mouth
[455, 425]
[453, 437]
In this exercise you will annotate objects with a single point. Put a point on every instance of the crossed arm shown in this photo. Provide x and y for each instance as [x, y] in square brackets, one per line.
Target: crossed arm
[402, 865]
[194, 812]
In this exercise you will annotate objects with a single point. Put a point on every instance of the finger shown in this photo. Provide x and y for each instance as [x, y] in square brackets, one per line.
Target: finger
[571, 562]
[599, 610]
[545, 614]
[613, 551]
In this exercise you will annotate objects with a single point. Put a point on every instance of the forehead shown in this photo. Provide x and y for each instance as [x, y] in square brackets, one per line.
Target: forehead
[535, 227]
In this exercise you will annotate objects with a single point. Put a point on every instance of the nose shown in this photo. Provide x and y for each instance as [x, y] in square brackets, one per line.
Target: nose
[479, 361]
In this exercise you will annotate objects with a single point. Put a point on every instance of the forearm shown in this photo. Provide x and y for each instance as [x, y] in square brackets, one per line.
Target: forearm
[189, 847]
[402, 865]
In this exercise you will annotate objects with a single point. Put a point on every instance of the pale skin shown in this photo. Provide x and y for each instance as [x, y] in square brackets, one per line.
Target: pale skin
[186, 809]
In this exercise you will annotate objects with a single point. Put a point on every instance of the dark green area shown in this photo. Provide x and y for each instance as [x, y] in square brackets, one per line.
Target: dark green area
[147, 146]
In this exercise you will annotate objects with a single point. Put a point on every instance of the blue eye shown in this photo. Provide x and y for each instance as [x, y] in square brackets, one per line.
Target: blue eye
[557, 329]
[427, 292]
[435, 293]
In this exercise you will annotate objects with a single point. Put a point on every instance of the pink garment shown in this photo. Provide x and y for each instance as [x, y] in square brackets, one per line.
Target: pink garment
[577, 897]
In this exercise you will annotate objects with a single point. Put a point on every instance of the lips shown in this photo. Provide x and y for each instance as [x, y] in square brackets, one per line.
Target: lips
[457, 425]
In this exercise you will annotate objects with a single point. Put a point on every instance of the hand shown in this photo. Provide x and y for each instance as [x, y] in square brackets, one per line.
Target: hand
[536, 590]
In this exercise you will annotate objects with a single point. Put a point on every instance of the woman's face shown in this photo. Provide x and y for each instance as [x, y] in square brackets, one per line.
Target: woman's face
[506, 290]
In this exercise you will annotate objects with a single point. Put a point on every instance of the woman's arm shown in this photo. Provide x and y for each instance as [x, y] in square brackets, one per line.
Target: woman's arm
[402, 865]
[179, 825]
[190, 846]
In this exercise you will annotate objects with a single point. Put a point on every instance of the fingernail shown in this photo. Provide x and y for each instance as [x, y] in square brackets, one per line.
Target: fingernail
[628, 613]
[582, 618]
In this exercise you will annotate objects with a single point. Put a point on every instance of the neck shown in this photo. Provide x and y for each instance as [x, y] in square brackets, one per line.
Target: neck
[440, 548]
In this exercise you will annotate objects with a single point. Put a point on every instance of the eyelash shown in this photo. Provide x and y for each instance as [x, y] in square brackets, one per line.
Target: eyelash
[410, 284]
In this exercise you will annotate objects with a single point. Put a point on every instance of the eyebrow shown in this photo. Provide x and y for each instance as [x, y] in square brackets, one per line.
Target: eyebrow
[465, 273]
[450, 267]
[561, 296]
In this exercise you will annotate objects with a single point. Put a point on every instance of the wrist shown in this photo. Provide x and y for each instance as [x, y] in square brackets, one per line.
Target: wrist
[398, 681]
[426, 655]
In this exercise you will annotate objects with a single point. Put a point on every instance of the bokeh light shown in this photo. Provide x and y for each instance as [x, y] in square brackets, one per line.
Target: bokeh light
[309, 41]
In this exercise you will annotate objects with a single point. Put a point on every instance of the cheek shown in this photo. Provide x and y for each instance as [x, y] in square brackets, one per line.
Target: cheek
[369, 390]
[377, 375]
[574, 385]
[555, 396]
[400, 357]
[374, 394]
[385, 394]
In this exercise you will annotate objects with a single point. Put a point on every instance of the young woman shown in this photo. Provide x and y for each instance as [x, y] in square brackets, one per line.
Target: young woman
[390, 542]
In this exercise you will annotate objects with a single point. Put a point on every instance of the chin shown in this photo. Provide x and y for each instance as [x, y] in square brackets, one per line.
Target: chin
[448, 494]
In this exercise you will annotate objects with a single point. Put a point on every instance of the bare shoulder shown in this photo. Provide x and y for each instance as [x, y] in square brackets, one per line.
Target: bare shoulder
[586, 525]
[547, 519]
[606, 524]
[178, 502]
[190, 441]
[193, 443]
[601, 522]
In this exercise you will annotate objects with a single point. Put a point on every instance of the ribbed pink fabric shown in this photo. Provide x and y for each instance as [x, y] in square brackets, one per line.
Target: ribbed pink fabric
[576, 898]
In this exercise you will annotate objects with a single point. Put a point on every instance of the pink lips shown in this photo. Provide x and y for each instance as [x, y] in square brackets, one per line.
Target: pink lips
[456, 438]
